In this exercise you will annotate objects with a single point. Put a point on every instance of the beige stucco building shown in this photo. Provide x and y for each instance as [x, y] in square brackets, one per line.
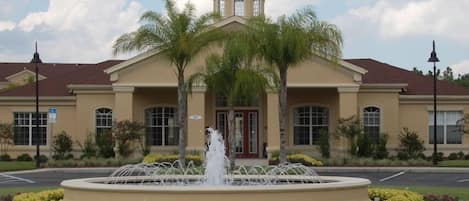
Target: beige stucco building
[89, 97]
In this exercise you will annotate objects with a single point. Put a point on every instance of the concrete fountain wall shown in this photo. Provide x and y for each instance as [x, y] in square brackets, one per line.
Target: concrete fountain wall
[334, 189]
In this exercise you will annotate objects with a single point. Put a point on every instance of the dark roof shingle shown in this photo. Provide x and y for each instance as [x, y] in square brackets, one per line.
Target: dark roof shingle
[58, 76]
[382, 73]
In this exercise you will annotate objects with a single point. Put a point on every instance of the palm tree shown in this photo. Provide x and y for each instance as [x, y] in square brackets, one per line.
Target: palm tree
[234, 76]
[178, 35]
[290, 41]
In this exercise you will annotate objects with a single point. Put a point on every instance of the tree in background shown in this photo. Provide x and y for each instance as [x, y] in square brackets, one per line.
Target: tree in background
[288, 42]
[178, 35]
[234, 76]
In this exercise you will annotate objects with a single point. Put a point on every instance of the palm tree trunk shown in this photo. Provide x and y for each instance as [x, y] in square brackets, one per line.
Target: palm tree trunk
[282, 114]
[182, 119]
[232, 137]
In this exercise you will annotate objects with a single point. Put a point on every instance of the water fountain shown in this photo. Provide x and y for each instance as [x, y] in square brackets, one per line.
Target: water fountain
[170, 182]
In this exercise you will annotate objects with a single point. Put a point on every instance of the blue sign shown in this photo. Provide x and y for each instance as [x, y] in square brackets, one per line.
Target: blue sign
[52, 116]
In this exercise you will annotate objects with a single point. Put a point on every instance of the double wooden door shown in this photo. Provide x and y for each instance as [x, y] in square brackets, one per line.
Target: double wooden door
[246, 132]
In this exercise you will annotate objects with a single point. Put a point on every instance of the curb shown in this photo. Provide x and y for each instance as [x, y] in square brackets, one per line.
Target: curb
[440, 170]
[66, 170]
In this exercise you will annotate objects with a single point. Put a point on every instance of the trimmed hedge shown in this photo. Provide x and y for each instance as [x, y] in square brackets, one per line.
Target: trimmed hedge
[50, 195]
[394, 195]
[300, 158]
[158, 158]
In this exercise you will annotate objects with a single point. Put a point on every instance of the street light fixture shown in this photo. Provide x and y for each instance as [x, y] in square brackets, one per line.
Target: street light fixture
[36, 61]
[434, 59]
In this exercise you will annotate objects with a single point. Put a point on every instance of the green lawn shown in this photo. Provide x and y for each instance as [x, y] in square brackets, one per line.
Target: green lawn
[14, 191]
[16, 165]
[461, 193]
[454, 163]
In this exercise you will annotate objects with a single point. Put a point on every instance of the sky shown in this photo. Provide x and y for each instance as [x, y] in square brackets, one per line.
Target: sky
[398, 32]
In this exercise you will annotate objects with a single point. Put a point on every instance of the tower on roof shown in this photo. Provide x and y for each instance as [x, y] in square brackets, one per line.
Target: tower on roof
[243, 8]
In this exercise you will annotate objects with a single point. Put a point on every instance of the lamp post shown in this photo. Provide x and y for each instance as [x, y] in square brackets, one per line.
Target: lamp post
[36, 61]
[434, 59]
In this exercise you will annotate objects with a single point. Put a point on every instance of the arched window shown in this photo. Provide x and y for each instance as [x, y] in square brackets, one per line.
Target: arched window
[103, 120]
[221, 7]
[372, 122]
[256, 7]
[161, 126]
[239, 7]
[309, 121]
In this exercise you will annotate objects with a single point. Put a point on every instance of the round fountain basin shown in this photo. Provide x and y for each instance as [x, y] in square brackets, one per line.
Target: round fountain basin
[330, 189]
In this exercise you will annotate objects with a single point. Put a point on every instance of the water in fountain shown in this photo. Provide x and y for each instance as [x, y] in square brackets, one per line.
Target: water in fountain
[214, 172]
[215, 159]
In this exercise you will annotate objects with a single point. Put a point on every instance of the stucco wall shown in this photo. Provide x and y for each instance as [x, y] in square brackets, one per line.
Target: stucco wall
[388, 103]
[415, 117]
[87, 104]
[66, 121]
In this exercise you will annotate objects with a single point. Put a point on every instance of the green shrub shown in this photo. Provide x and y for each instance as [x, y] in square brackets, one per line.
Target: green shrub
[453, 156]
[466, 157]
[364, 146]
[158, 158]
[5, 157]
[42, 158]
[394, 195]
[62, 146]
[324, 144]
[381, 152]
[300, 158]
[127, 133]
[6, 137]
[410, 144]
[6, 197]
[24, 157]
[439, 198]
[439, 156]
[50, 195]
[105, 143]
[460, 155]
[88, 148]
[350, 128]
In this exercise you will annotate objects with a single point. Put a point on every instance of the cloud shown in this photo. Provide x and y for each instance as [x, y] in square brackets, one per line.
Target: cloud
[82, 30]
[461, 67]
[398, 18]
[7, 25]
[273, 8]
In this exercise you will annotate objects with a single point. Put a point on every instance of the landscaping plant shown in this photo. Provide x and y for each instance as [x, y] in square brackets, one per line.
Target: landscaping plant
[127, 134]
[380, 150]
[410, 147]
[350, 128]
[324, 144]
[105, 143]
[24, 157]
[62, 146]
[88, 148]
[6, 137]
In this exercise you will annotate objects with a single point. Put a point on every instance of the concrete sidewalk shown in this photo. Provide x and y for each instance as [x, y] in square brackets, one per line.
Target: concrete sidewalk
[442, 170]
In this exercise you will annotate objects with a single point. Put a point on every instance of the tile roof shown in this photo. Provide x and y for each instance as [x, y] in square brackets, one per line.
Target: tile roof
[58, 77]
[61, 75]
[382, 73]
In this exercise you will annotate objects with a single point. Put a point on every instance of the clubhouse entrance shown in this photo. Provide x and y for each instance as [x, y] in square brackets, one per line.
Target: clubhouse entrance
[246, 131]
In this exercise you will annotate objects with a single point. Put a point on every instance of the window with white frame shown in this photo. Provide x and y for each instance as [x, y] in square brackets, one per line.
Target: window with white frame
[239, 7]
[103, 121]
[161, 126]
[308, 123]
[221, 7]
[448, 129]
[24, 131]
[256, 7]
[372, 122]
